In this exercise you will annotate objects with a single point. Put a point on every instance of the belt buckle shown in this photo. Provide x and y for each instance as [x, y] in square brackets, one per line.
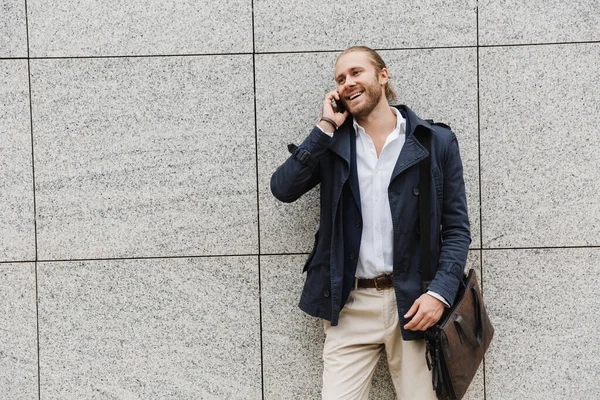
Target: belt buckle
[376, 281]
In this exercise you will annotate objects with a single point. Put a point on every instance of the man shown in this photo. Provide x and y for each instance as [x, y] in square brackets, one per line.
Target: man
[363, 275]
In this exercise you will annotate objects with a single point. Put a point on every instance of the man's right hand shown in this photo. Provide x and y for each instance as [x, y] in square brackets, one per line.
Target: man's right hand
[329, 112]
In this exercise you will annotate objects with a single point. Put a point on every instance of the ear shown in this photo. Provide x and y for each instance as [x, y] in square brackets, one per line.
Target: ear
[383, 76]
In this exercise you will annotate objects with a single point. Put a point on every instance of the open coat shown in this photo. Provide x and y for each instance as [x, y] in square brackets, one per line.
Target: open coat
[331, 267]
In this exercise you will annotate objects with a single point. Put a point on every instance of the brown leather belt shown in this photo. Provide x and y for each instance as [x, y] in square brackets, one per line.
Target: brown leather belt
[380, 282]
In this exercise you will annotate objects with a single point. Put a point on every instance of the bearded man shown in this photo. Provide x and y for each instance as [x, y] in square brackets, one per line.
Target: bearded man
[363, 275]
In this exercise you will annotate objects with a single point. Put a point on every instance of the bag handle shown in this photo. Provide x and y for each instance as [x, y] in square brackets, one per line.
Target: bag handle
[463, 329]
[478, 315]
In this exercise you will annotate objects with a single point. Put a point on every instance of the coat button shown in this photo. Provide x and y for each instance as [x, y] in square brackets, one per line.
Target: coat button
[326, 293]
[358, 224]
[352, 256]
[416, 191]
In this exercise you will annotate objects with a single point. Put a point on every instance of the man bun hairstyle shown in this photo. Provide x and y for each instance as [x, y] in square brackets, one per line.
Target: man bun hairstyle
[378, 63]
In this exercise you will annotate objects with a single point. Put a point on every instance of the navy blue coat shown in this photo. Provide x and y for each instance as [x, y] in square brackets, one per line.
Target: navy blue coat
[331, 267]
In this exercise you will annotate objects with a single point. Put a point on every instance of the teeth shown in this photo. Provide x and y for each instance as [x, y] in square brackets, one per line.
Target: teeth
[355, 96]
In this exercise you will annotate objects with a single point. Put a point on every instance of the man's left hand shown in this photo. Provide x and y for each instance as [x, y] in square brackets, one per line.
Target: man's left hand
[428, 311]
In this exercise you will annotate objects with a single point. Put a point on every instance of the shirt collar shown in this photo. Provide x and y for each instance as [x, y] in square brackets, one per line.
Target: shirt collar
[400, 123]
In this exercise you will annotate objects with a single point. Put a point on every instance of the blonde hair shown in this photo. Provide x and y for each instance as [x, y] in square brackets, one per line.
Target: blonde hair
[378, 63]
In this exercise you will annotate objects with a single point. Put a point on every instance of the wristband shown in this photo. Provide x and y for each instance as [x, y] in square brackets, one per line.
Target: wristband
[332, 122]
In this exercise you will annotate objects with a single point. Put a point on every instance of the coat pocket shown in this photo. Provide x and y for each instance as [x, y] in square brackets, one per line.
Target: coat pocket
[312, 254]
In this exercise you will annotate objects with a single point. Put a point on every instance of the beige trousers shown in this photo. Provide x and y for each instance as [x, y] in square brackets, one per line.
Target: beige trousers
[369, 324]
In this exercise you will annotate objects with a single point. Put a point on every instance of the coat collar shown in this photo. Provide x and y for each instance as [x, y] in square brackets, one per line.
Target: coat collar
[412, 151]
[344, 145]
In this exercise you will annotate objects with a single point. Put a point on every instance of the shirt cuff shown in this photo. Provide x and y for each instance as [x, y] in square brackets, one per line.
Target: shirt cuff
[330, 134]
[439, 297]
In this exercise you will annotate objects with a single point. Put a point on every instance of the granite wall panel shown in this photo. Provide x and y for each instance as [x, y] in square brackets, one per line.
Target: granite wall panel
[151, 27]
[13, 30]
[185, 328]
[134, 157]
[292, 340]
[543, 304]
[539, 160]
[17, 229]
[538, 21]
[18, 327]
[327, 25]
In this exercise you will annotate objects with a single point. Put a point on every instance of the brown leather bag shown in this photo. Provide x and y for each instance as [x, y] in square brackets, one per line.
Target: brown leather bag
[457, 343]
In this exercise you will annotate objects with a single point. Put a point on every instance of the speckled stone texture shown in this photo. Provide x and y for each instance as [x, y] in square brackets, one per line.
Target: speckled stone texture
[13, 32]
[144, 157]
[292, 87]
[539, 117]
[16, 176]
[293, 341]
[18, 342]
[304, 25]
[436, 84]
[544, 305]
[152, 27]
[150, 329]
[538, 21]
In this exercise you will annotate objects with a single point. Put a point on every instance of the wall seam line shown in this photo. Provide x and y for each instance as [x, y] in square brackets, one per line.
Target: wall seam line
[260, 319]
[480, 185]
[37, 314]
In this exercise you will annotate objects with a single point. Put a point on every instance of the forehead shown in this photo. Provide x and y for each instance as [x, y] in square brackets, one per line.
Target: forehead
[355, 59]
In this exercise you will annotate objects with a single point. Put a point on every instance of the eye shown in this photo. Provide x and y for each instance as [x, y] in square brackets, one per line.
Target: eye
[356, 73]
[341, 81]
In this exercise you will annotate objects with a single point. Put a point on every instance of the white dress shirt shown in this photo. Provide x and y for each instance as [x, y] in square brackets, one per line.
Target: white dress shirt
[376, 253]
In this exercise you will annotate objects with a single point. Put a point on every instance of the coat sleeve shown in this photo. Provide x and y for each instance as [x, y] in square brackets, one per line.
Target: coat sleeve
[297, 175]
[456, 235]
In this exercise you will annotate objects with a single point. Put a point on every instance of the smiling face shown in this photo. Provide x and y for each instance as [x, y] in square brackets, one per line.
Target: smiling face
[359, 84]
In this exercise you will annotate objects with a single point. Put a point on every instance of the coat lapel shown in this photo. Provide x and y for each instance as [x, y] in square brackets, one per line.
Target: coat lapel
[412, 152]
[344, 145]
[340, 144]
[353, 178]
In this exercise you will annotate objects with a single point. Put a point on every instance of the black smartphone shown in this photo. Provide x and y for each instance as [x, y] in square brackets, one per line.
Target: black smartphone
[339, 104]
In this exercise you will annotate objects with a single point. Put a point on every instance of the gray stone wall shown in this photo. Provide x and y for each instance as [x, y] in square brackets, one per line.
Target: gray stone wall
[142, 255]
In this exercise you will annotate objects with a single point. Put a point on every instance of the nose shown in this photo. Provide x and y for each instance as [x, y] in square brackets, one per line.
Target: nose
[348, 84]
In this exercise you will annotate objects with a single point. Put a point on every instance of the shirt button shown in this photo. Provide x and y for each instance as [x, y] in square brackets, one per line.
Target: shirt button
[326, 293]
[358, 224]
[378, 254]
[352, 256]
[416, 191]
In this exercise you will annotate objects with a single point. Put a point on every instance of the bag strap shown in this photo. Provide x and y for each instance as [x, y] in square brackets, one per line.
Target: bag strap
[478, 315]
[424, 212]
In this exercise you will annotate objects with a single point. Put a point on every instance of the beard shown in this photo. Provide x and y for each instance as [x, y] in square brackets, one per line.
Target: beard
[370, 98]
